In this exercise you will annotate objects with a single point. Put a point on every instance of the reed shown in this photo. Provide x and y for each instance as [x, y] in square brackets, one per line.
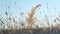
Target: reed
[31, 18]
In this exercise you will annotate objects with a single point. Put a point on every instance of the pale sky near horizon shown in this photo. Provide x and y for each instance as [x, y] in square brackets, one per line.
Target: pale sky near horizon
[26, 5]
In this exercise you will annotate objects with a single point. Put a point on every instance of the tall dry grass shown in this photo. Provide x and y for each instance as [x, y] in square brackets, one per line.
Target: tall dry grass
[31, 19]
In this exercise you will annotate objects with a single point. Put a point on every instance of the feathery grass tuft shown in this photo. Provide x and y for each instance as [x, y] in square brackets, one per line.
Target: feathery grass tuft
[32, 20]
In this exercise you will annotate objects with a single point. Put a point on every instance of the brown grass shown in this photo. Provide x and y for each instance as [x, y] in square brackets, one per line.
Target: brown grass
[32, 20]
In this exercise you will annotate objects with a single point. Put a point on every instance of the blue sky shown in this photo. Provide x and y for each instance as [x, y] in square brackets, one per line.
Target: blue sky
[16, 6]
[26, 5]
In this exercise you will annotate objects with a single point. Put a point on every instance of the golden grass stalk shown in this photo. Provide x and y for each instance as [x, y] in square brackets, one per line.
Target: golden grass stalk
[32, 20]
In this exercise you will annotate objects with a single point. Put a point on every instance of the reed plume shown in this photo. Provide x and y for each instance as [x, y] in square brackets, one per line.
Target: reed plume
[32, 20]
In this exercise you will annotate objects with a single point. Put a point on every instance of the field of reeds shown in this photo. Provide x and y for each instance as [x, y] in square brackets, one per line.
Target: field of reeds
[12, 26]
